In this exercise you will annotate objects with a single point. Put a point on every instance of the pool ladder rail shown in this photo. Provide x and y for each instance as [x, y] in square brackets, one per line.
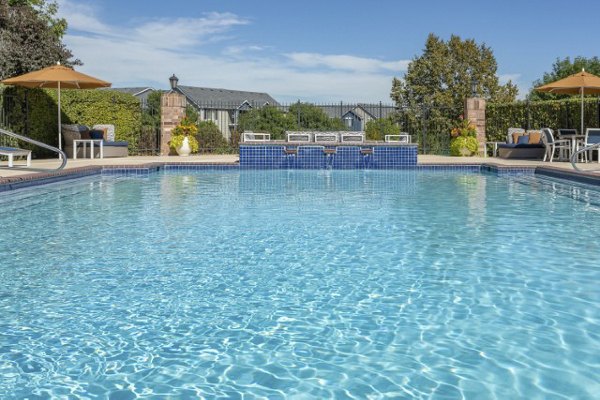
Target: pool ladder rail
[63, 156]
[575, 157]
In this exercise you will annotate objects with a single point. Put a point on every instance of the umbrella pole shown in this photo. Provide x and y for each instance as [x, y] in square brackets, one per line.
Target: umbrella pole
[59, 127]
[582, 132]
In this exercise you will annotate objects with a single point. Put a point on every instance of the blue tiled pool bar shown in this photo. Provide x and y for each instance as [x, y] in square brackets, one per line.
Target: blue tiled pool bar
[321, 284]
[333, 156]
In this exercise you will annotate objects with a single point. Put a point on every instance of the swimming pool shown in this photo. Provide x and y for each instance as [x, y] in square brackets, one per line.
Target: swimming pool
[308, 284]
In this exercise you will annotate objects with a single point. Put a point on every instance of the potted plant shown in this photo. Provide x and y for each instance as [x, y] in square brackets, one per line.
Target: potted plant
[183, 138]
[464, 139]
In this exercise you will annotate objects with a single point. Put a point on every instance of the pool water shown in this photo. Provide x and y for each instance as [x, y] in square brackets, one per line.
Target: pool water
[301, 284]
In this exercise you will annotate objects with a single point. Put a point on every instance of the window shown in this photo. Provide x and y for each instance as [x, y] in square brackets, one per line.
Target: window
[210, 115]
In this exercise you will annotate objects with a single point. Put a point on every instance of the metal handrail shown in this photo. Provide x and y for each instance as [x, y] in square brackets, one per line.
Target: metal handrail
[575, 155]
[62, 154]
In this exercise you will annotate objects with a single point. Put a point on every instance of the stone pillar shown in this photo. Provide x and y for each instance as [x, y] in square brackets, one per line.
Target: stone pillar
[172, 111]
[475, 113]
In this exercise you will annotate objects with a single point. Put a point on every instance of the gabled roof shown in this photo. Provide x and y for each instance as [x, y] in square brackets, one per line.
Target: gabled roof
[132, 90]
[224, 98]
[374, 110]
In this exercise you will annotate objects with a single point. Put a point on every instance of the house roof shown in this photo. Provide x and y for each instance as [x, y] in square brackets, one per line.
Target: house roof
[132, 90]
[374, 110]
[224, 98]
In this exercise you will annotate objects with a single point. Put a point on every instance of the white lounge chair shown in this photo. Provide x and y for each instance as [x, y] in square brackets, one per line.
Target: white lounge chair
[326, 137]
[256, 137]
[12, 152]
[352, 137]
[403, 137]
[298, 136]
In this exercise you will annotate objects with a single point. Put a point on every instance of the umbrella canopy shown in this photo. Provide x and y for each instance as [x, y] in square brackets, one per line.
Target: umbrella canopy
[59, 77]
[579, 83]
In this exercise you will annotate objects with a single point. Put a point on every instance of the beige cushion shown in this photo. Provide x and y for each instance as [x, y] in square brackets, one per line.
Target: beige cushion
[535, 137]
[515, 136]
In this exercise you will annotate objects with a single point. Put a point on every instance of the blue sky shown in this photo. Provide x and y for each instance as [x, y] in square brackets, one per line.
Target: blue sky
[315, 50]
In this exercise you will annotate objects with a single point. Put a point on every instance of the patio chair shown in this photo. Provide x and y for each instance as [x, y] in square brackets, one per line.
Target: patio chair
[567, 132]
[552, 145]
[592, 136]
[577, 142]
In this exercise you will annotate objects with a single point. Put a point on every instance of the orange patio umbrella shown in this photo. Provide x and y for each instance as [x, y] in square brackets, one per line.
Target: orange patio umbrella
[579, 83]
[59, 77]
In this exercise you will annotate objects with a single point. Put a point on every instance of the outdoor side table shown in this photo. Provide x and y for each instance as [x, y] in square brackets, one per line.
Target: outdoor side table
[494, 148]
[85, 142]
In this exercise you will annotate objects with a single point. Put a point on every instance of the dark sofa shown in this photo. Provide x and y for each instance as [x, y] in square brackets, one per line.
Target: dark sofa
[522, 145]
[111, 148]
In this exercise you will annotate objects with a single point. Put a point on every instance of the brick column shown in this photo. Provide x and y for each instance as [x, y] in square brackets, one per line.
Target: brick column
[475, 112]
[172, 111]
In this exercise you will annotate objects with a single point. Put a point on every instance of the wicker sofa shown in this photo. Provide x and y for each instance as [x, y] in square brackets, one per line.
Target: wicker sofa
[111, 148]
[522, 144]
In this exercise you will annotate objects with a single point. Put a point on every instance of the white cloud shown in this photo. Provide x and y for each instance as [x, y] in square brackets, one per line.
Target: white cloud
[346, 62]
[81, 17]
[185, 32]
[239, 51]
[146, 53]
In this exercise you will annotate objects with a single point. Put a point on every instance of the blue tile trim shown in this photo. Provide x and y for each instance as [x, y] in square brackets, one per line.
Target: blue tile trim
[17, 183]
[587, 178]
[323, 157]
[201, 167]
[126, 171]
[508, 170]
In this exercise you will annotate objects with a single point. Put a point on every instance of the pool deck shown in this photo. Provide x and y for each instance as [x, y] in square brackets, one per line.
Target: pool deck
[46, 166]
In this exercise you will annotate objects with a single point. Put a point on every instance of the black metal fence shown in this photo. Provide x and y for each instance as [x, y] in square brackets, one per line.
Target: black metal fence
[429, 127]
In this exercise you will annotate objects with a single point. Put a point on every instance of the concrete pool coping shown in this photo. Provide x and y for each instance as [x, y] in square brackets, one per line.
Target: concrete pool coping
[41, 171]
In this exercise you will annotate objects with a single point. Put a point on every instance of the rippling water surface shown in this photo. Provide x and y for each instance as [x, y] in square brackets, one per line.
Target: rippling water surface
[301, 284]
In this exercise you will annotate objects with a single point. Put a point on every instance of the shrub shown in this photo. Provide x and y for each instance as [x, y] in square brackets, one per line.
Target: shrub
[210, 137]
[185, 128]
[464, 146]
[377, 129]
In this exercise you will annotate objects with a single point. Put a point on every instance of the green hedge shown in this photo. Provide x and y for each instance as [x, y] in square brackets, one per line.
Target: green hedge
[553, 114]
[33, 112]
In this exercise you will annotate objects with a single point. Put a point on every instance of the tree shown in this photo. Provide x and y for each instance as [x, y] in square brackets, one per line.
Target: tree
[376, 129]
[310, 117]
[443, 75]
[267, 119]
[30, 37]
[561, 69]
[299, 116]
